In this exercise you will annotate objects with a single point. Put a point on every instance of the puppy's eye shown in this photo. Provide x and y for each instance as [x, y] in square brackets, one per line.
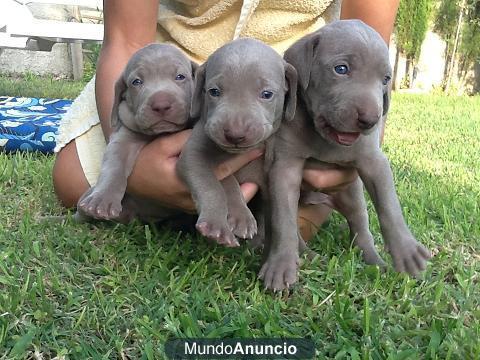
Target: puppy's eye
[266, 94]
[341, 69]
[386, 79]
[180, 77]
[137, 82]
[214, 92]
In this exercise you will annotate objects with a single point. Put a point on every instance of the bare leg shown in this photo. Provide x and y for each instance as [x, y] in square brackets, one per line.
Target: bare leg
[310, 218]
[69, 181]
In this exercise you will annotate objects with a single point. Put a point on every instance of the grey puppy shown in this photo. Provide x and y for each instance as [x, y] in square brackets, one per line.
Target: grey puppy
[241, 94]
[343, 72]
[152, 97]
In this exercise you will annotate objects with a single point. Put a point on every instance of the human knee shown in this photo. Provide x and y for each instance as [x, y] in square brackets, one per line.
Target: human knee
[69, 181]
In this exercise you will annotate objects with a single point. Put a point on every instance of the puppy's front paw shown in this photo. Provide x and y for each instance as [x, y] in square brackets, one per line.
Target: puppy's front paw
[99, 205]
[369, 253]
[242, 222]
[372, 257]
[279, 271]
[409, 256]
[218, 231]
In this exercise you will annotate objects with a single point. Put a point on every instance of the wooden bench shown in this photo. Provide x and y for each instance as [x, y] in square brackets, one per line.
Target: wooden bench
[19, 29]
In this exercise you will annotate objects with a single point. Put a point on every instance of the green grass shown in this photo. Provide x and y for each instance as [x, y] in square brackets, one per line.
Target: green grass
[30, 85]
[112, 291]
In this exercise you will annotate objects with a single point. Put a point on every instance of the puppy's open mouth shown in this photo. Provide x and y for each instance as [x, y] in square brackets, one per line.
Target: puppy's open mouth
[342, 138]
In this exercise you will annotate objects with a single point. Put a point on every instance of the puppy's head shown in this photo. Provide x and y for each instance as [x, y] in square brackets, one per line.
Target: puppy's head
[243, 91]
[344, 74]
[153, 94]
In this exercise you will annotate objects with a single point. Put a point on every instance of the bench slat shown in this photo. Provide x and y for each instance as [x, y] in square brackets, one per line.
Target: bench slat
[57, 30]
[6, 41]
[93, 4]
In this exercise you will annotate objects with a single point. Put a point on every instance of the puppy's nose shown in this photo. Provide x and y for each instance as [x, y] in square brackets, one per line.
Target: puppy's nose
[367, 119]
[367, 116]
[161, 107]
[161, 103]
[234, 137]
[366, 123]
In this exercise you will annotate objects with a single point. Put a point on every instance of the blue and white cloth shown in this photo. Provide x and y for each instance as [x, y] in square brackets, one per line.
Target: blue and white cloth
[30, 124]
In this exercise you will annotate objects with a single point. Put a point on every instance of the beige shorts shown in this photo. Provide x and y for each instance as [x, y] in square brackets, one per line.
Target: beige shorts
[81, 123]
[90, 149]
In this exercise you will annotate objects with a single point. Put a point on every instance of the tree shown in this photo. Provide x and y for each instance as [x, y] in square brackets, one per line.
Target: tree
[450, 66]
[445, 25]
[410, 29]
[469, 48]
[462, 35]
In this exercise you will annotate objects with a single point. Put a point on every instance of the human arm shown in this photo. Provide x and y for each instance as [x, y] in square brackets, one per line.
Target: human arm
[127, 28]
[380, 15]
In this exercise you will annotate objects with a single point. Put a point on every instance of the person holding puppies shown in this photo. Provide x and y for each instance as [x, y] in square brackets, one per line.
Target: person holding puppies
[197, 28]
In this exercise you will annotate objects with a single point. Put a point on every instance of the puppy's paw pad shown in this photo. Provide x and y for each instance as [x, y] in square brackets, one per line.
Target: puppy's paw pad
[100, 207]
[218, 233]
[279, 272]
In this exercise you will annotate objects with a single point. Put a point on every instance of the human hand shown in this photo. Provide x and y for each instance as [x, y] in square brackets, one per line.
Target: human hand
[328, 179]
[154, 175]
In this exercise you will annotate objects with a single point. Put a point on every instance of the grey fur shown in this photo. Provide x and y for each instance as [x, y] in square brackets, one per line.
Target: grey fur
[338, 121]
[159, 105]
[237, 120]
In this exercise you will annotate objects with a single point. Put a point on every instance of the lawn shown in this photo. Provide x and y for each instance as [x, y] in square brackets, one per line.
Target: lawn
[31, 85]
[112, 291]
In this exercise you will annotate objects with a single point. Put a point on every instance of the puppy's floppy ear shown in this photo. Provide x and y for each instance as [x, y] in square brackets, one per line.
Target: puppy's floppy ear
[194, 68]
[198, 92]
[120, 87]
[291, 96]
[300, 55]
[386, 99]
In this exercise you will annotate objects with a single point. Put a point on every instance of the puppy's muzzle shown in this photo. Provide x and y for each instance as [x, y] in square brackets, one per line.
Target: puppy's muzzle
[242, 134]
[161, 103]
[235, 136]
[236, 132]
